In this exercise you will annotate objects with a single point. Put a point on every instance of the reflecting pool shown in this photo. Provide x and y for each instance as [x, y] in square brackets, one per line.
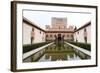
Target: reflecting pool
[57, 52]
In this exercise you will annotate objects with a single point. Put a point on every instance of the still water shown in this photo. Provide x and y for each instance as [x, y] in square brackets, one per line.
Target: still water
[57, 52]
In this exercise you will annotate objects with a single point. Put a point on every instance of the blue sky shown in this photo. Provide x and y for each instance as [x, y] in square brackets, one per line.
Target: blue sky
[42, 18]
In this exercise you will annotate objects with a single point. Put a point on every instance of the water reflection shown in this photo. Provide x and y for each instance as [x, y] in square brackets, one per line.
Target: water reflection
[57, 52]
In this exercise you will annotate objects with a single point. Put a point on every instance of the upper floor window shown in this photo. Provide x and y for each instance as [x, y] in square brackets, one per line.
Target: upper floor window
[32, 29]
[85, 30]
[40, 32]
[78, 32]
[63, 35]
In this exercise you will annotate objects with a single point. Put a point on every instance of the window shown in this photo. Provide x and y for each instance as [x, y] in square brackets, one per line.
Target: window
[63, 35]
[67, 35]
[85, 39]
[55, 36]
[71, 35]
[46, 35]
[50, 35]
[85, 30]
[78, 32]
[40, 32]
[32, 40]
[32, 29]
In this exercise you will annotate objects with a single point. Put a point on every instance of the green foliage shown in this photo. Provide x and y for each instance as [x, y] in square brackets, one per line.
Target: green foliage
[82, 45]
[30, 47]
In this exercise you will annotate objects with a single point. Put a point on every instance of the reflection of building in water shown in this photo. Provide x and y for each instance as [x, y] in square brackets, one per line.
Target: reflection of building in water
[57, 56]
[59, 30]
[52, 53]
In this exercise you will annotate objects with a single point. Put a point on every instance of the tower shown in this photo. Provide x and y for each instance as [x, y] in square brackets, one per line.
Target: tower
[59, 23]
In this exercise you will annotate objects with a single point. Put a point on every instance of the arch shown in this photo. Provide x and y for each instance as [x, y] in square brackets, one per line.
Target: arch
[59, 37]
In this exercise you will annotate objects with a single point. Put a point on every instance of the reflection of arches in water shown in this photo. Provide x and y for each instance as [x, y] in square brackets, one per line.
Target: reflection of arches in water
[58, 56]
[60, 46]
[71, 55]
[32, 59]
[47, 56]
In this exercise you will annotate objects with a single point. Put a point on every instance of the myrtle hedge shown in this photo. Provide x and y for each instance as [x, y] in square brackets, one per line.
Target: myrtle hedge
[30, 47]
[86, 46]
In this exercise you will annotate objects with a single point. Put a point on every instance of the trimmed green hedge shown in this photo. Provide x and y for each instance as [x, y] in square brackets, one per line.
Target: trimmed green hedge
[82, 45]
[30, 47]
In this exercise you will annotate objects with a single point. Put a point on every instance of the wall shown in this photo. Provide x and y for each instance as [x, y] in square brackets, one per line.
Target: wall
[79, 35]
[39, 35]
[27, 33]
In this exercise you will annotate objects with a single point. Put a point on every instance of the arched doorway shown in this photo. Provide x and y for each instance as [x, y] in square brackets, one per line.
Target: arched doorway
[59, 37]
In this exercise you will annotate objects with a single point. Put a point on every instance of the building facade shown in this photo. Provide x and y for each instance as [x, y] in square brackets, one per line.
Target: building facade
[59, 29]
[83, 34]
[32, 33]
